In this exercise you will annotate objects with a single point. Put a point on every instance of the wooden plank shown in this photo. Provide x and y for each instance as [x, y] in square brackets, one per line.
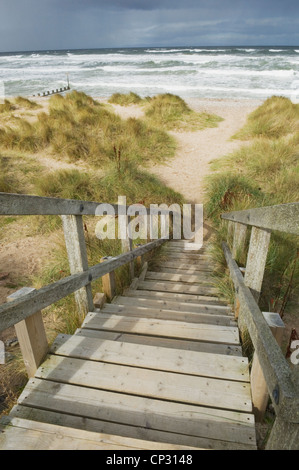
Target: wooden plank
[177, 306]
[188, 298]
[164, 314]
[23, 434]
[183, 272]
[145, 413]
[135, 432]
[152, 357]
[170, 329]
[185, 278]
[185, 250]
[177, 287]
[170, 263]
[19, 309]
[195, 258]
[149, 383]
[180, 344]
[77, 255]
[282, 217]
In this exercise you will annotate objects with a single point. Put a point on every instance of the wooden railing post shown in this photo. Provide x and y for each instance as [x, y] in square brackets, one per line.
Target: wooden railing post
[31, 336]
[256, 260]
[108, 281]
[238, 233]
[259, 389]
[239, 239]
[77, 256]
[254, 275]
[126, 243]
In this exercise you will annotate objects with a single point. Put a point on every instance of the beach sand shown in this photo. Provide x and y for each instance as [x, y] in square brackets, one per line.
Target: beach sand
[197, 149]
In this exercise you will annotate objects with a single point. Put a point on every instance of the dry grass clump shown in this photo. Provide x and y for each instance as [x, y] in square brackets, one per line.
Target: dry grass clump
[26, 103]
[275, 118]
[169, 111]
[6, 107]
[124, 99]
[79, 128]
[264, 173]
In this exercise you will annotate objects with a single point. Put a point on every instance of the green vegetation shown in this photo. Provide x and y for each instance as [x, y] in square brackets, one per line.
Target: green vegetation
[277, 117]
[262, 173]
[79, 128]
[6, 107]
[125, 99]
[169, 111]
[26, 103]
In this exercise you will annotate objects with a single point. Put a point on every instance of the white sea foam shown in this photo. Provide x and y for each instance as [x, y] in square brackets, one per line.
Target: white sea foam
[192, 71]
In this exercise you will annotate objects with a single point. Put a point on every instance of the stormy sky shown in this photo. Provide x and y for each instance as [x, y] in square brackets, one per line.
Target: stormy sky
[76, 24]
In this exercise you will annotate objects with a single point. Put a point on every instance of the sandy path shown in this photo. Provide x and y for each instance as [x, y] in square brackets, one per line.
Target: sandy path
[186, 172]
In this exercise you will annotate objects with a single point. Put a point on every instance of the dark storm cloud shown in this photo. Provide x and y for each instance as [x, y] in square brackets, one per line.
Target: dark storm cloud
[60, 24]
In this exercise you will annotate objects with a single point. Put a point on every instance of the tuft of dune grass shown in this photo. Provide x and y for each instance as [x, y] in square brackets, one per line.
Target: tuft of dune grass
[79, 128]
[275, 118]
[263, 173]
[170, 112]
[124, 99]
[26, 103]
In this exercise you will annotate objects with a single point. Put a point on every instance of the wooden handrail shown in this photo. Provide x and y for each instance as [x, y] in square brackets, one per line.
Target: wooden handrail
[20, 204]
[277, 372]
[282, 217]
[17, 310]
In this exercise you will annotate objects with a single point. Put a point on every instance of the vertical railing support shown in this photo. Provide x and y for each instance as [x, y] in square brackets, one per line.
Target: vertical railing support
[254, 275]
[77, 256]
[259, 389]
[239, 239]
[31, 336]
[126, 243]
[108, 281]
[256, 260]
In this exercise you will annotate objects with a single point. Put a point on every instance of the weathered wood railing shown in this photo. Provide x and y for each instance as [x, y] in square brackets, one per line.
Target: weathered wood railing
[271, 374]
[24, 307]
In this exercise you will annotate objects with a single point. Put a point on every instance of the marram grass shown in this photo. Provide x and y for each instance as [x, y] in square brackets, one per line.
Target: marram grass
[262, 173]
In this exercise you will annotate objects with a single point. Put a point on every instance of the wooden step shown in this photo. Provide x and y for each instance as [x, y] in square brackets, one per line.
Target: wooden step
[151, 357]
[164, 314]
[168, 304]
[163, 342]
[184, 278]
[183, 265]
[168, 286]
[136, 417]
[24, 434]
[191, 271]
[188, 298]
[190, 389]
[164, 328]
[197, 257]
[119, 429]
[183, 249]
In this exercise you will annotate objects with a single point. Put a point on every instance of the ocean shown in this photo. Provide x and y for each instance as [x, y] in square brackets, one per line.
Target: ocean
[201, 72]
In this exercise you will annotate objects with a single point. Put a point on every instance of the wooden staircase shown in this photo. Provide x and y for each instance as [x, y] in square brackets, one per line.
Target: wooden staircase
[161, 367]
